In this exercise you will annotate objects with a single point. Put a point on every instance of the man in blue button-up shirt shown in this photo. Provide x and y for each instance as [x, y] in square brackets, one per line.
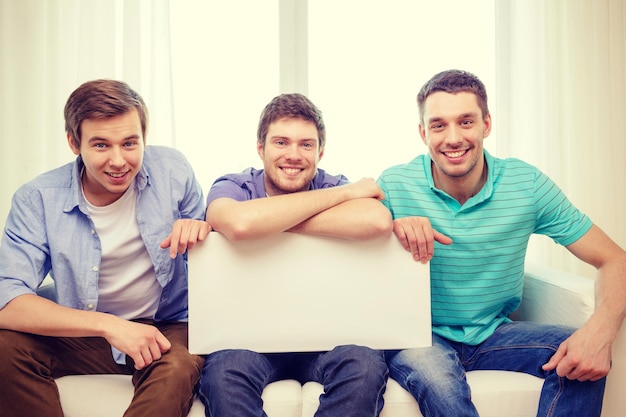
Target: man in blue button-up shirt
[100, 227]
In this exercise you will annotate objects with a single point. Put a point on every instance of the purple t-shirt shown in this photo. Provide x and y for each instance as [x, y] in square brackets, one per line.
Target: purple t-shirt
[249, 185]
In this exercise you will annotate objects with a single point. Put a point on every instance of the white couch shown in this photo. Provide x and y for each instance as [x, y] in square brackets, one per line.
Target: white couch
[550, 296]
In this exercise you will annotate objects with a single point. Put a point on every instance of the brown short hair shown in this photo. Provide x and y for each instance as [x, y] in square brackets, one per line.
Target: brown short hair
[291, 105]
[100, 99]
[454, 81]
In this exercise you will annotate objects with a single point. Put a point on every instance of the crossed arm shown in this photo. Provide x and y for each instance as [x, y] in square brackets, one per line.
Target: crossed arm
[351, 211]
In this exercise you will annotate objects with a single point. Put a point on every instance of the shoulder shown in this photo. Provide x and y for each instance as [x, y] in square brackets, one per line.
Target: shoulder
[245, 185]
[60, 177]
[412, 169]
[323, 179]
[163, 160]
[156, 153]
[247, 176]
[513, 170]
[415, 164]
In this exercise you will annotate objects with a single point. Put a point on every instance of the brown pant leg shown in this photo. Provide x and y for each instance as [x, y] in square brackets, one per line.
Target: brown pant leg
[29, 364]
[166, 387]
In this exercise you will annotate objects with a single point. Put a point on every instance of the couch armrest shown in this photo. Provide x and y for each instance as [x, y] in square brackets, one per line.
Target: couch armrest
[552, 296]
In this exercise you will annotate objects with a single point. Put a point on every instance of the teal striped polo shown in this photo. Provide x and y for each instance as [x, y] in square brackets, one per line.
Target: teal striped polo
[477, 281]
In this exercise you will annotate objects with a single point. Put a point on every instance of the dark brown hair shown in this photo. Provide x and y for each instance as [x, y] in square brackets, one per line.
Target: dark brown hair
[291, 105]
[100, 99]
[454, 81]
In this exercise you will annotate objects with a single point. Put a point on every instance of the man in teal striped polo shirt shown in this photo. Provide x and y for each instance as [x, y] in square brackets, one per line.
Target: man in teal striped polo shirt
[471, 215]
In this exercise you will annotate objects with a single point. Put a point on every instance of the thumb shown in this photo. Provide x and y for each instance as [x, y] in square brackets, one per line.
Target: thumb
[166, 242]
[441, 238]
[554, 360]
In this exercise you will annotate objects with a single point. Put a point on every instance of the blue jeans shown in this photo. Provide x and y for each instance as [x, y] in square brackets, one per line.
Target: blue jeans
[435, 375]
[354, 380]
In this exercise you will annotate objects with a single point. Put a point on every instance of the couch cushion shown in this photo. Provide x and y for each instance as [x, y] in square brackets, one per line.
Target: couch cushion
[83, 395]
[495, 394]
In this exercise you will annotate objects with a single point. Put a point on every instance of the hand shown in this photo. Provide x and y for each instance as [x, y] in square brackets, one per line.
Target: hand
[418, 237]
[366, 188]
[185, 234]
[584, 356]
[142, 342]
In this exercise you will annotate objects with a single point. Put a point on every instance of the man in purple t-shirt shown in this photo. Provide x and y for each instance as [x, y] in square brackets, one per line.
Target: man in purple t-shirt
[291, 194]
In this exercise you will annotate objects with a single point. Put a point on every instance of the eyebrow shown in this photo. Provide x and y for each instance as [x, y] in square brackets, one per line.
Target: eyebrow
[295, 140]
[461, 116]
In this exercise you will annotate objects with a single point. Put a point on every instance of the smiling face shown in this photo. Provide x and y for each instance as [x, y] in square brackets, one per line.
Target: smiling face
[290, 155]
[112, 151]
[454, 129]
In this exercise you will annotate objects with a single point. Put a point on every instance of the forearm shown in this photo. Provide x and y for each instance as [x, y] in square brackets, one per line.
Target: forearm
[610, 309]
[33, 314]
[261, 217]
[359, 219]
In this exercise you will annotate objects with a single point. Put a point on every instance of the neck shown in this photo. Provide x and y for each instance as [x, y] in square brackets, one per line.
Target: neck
[462, 188]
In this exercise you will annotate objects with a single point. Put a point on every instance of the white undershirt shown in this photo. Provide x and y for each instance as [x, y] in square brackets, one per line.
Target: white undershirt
[127, 285]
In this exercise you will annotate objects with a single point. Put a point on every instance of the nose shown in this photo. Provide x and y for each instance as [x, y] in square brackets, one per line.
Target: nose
[293, 152]
[455, 135]
[116, 157]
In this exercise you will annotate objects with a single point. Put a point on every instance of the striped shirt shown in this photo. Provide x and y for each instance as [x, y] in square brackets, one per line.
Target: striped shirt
[477, 281]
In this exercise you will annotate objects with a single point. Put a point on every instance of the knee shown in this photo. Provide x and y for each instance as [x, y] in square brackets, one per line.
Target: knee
[14, 349]
[425, 364]
[366, 364]
[225, 363]
[178, 363]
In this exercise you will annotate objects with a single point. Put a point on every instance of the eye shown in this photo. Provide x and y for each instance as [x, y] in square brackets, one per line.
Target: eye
[99, 145]
[130, 143]
[436, 127]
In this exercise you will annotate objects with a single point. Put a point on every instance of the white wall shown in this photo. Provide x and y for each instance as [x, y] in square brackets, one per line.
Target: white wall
[366, 63]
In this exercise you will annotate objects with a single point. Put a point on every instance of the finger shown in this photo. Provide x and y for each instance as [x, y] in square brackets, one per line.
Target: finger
[155, 352]
[139, 361]
[186, 239]
[426, 244]
[441, 238]
[204, 231]
[412, 242]
[398, 230]
[175, 239]
[165, 243]
[163, 343]
[554, 361]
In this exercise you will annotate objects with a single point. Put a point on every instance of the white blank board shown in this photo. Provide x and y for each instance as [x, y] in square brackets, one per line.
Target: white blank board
[298, 293]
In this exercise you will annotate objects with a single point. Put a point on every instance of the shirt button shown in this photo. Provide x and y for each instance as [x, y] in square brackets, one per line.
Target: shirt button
[94, 269]
[89, 306]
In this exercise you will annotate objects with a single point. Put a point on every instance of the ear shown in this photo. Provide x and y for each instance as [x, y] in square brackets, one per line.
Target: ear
[423, 134]
[260, 150]
[320, 155]
[72, 145]
[487, 124]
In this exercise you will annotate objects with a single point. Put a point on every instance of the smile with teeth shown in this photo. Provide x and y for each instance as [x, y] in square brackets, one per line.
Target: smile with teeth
[291, 171]
[455, 154]
[116, 174]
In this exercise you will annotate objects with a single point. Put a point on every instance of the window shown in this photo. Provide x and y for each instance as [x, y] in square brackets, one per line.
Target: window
[361, 62]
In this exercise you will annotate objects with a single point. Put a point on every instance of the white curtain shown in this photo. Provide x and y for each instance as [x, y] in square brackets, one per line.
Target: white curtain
[561, 77]
[50, 47]
[559, 100]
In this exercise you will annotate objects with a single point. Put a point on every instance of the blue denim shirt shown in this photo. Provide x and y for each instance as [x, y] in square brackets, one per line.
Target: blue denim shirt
[48, 230]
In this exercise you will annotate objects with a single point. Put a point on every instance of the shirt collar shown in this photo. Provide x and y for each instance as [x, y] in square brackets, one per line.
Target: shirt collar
[75, 197]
